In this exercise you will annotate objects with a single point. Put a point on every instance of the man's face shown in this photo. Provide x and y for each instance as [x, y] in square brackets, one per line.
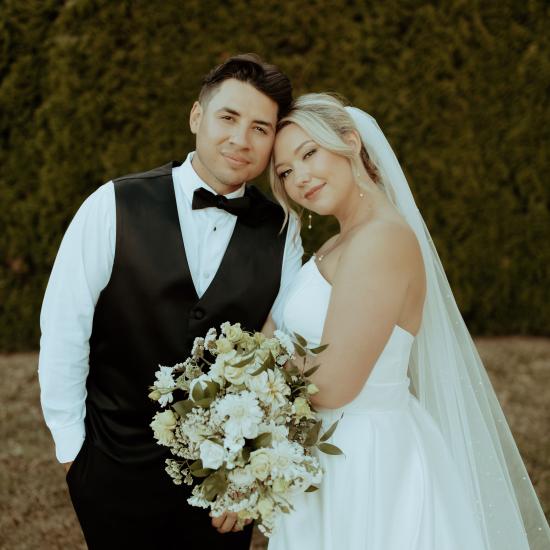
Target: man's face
[235, 131]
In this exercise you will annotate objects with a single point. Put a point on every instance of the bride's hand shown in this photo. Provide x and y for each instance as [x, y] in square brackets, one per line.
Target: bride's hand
[228, 522]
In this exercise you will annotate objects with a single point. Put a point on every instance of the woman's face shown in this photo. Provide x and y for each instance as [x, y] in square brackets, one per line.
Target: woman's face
[312, 176]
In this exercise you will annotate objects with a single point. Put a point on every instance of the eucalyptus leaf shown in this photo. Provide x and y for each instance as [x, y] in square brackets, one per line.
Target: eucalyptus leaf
[313, 434]
[330, 431]
[300, 350]
[310, 371]
[205, 402]
[197, 392]
[258, 371]
[197, 465]
[184, 407]
[301, 340]
[311, 489]
[245, 361]
[319, 349]
[329, 449]
[202, 472]
[263, 440]
[212, 388]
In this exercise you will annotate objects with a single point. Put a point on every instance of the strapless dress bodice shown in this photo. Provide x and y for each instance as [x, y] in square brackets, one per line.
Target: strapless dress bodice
[304, 312]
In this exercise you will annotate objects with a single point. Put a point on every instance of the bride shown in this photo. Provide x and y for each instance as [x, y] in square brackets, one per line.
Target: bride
[429, 462]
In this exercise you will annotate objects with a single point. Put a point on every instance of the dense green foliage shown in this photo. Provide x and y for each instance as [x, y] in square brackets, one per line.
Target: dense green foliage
[90, 90]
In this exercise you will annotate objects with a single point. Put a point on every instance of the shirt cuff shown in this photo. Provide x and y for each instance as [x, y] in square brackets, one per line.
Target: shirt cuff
[68, 441]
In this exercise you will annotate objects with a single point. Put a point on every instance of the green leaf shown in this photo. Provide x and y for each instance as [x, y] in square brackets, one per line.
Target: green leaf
[215, 484]
[301, 340]
[212, 389]
[198, 392]
[313, 434]
[205, 402]
[311, 489]
[319, 349]
[263, 440]
[196, 465]
[329, 449]
[300, 350]
[310, 371]
[184, 407]
[247, 359]
[202, 472]
[258, 371]
[330, 431]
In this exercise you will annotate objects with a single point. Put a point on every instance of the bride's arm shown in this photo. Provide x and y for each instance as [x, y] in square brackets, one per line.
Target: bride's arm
[369, 290]
[269, 327]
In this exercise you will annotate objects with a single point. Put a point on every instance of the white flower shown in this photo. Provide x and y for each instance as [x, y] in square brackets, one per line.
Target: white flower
[234, 333]
[286, 341]
[278, 432]
[241, 477]
[270, 387]
[212, 454]
[164, 424]
[223, 345]
[217, 370]
[301, 408]
[210, 338]
[260, 464]
[243, 414]
[233, 444]
[163, 386]
[265, 507]
[198, 347]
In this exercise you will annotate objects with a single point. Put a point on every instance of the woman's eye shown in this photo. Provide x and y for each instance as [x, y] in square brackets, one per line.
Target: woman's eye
[284, 174]
[309, 153]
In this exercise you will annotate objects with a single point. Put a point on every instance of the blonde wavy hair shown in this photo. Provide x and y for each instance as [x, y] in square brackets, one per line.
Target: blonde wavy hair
[324, 118]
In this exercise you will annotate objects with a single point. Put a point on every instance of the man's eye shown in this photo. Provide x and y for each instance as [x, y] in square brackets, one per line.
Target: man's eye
[262, 130]
[227, 117]
[309, 153]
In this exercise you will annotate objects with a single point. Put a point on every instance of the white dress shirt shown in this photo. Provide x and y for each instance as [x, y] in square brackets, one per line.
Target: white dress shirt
[82, 270]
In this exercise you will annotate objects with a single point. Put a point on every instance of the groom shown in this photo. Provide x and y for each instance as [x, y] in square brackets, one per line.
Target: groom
[149, 262]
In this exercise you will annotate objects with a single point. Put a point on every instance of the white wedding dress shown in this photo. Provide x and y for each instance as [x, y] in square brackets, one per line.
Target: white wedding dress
[396, 487]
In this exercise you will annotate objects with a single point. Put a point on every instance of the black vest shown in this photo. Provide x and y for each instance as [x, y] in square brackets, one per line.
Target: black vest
[149, 313]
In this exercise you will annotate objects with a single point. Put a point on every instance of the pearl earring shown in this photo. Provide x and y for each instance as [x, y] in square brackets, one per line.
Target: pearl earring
[309, 226]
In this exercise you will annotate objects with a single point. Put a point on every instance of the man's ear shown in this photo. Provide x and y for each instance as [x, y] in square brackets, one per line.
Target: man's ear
[352, 138]
[195, 117]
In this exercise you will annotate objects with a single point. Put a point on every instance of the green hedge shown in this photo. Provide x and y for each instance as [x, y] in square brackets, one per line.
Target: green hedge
[93, 90]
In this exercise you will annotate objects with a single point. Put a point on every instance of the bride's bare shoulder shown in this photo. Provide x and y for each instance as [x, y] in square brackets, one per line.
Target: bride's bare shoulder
[382, 244]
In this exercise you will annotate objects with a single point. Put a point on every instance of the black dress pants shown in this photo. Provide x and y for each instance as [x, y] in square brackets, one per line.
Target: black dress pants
[138, 507]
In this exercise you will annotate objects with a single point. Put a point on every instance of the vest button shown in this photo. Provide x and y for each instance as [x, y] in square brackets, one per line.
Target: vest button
[198, 313]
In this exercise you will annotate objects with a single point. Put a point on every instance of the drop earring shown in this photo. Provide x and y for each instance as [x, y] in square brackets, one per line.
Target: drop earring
[309, 217]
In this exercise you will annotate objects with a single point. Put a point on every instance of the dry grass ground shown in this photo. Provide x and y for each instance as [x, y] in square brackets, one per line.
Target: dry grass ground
[35, 510]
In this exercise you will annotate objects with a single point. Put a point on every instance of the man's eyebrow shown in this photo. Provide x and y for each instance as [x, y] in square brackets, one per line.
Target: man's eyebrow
[236, 113]
[296, 150]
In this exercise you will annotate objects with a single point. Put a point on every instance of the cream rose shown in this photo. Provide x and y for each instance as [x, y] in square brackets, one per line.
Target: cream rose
[164, 424]
[301, 408]
[224, 345]
[260, 464]
[234, 333]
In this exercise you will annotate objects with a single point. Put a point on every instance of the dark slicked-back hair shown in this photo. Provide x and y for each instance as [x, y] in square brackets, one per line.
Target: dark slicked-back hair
[250, 68]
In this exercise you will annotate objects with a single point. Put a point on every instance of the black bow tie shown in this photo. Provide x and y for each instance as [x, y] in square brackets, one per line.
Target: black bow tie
[202, 198]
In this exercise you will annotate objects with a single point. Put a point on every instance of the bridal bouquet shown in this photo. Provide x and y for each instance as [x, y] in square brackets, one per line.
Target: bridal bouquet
[243, 430]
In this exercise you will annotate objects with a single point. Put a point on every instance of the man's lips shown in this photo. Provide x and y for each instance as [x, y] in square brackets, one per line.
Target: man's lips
[313, 190]
[236, 160]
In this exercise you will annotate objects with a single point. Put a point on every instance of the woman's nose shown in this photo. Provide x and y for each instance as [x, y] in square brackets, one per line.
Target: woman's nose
[303, 177]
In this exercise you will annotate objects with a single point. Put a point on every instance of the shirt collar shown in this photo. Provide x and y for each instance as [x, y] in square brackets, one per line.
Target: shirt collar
[186, 177]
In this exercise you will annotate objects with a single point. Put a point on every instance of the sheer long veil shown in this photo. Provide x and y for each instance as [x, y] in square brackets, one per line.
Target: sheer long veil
[450, 381]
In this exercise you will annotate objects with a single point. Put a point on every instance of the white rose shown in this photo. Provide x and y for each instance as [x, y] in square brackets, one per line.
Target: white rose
[301, 408]
[234, 333]
[164, 424]
[260, 464]
[223, 345]
[212, 454]
[265, 507]
[234, 375]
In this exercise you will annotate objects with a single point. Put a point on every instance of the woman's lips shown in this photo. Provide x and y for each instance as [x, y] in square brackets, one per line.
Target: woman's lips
[313, 191]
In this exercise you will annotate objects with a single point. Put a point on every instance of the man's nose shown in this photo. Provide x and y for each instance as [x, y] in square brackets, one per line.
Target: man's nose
[239, 137]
